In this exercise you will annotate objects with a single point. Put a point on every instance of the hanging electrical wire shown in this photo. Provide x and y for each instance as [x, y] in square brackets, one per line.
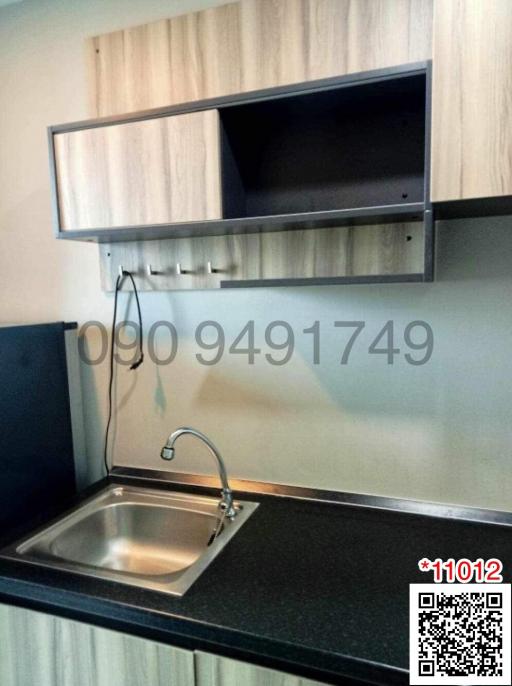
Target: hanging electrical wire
[135, 365]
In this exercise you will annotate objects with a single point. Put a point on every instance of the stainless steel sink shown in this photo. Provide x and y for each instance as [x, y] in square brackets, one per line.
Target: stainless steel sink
[159, 540]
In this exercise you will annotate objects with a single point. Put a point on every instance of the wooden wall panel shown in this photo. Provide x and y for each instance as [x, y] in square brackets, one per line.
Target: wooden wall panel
[189, 57]
[288, 41]
[472, 99]
[42, 650]
[249, 45]
[147, 172]
[344, 251]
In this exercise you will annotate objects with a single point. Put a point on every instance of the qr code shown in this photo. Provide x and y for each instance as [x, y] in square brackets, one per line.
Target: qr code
[460, 634]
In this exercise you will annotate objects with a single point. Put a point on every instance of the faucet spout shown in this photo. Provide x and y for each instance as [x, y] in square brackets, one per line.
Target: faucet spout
[168, 453]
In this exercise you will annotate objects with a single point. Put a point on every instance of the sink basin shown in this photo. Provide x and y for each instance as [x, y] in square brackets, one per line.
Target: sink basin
[160, 540]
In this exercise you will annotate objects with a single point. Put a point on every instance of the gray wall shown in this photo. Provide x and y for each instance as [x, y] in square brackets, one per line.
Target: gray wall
[437, 432]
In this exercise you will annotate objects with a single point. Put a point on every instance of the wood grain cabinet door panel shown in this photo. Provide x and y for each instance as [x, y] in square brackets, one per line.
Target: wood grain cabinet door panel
[212, 670]
[42, 650]
[154, 171]
[472, 99]
[252, 44]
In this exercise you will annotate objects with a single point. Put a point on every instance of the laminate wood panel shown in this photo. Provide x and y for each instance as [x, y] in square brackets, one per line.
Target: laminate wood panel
[189, 57]
[212, 670]
[288, 41]
[343, 251]
[472, 99]
[249, 45]
[43, 650]
[153, 171]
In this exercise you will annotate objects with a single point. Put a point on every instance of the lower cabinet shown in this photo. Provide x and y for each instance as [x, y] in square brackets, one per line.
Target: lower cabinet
[42, 650]
[212, 670]
[37, 649]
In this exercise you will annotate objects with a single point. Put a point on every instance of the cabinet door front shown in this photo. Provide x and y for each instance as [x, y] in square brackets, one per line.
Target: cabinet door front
[43, 650]
[212, 670]
[471, 99]
[154, 171]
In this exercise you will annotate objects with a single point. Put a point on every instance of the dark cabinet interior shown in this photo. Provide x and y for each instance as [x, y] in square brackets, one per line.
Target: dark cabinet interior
[356, 147]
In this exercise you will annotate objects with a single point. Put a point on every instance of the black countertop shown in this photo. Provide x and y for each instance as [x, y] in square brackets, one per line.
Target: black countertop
[312, 588]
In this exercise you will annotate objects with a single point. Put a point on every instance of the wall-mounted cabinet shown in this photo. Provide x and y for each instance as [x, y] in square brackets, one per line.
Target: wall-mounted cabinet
[351, 149]
[347, 151]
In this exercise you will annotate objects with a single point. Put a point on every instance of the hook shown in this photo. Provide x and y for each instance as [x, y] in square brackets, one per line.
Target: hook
[180, 270]
[210, 269]
[150, 271]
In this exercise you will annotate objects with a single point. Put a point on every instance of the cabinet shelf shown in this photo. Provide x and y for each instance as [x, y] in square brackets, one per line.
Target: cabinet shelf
[304, 220]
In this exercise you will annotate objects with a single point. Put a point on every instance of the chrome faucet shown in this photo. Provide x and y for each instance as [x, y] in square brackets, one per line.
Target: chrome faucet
[167, 453]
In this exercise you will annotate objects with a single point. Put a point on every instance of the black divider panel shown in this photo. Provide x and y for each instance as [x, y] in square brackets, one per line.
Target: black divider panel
[36, 446]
